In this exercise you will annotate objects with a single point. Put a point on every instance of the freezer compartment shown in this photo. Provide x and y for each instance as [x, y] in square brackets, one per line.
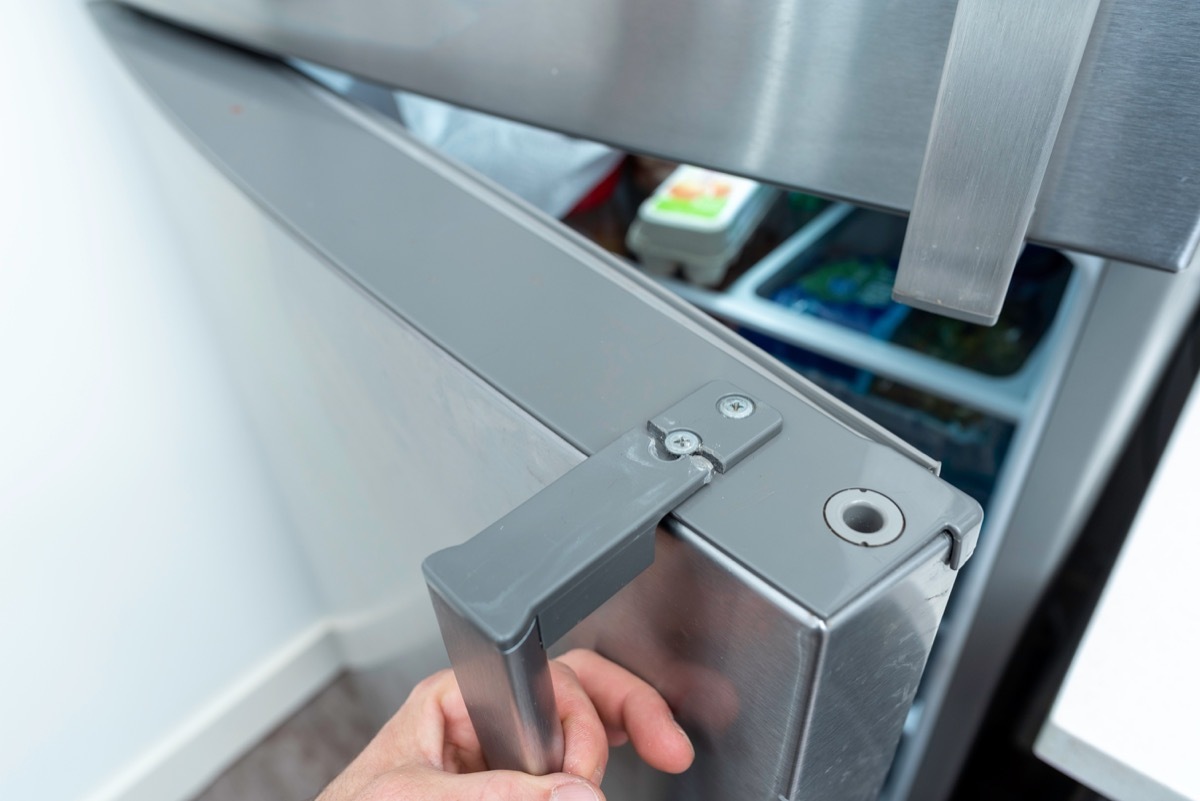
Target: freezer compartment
[847, 275]
[826, 290]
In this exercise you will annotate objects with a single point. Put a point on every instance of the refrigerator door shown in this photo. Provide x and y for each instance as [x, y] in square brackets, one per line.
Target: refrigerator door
[832, 97]
[422, 354]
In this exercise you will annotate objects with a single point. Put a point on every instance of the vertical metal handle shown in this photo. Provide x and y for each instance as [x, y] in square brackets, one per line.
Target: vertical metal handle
[1008, 75]
[515, 588]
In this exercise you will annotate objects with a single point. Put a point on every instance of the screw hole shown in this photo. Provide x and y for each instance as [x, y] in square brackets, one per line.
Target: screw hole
[662, 454]
[863, 517]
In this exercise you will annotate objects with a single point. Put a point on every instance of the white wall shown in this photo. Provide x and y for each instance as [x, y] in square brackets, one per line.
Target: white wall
[149, 584]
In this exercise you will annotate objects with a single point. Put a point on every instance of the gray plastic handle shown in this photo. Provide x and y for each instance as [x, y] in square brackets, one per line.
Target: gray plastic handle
[515, 588]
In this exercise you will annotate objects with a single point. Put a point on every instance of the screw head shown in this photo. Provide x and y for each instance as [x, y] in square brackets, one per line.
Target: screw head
[735, 406]
[681, 442]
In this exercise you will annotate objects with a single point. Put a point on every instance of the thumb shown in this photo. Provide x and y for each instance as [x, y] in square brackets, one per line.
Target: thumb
[494, 785]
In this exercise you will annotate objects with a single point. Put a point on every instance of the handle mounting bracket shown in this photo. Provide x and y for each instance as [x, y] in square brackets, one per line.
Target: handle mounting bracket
[515, 588]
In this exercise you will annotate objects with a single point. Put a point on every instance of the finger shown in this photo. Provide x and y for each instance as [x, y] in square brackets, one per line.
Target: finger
[413, 736]
[427, 784]
[704, 696]
[417, 730]
[627, 703]
[585, 741]
[432, 728]
[461, 749]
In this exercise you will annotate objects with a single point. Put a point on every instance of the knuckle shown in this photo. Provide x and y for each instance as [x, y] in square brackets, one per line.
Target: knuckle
[504, 786]
[580, 656]
[430, 685]
[396, 784]
[566, 670]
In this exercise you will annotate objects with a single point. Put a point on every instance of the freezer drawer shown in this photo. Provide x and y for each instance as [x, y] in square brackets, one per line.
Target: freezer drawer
[449, 351]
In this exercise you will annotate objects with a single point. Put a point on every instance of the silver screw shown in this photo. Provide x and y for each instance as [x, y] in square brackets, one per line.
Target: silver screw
[682, 442]
[735, 406]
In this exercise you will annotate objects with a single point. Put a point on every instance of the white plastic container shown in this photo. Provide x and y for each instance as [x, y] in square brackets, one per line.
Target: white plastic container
[698, 220]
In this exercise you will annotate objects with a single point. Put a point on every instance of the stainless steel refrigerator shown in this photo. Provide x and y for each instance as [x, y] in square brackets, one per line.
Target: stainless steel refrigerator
[426, 358]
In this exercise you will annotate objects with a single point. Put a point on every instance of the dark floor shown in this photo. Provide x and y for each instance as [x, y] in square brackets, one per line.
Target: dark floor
[297, 760]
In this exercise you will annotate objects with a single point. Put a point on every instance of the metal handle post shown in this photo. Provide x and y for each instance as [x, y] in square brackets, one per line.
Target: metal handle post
[1008, 74]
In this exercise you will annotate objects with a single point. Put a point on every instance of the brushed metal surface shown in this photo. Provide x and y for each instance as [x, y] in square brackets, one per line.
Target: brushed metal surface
[1121, 174]
[833, 97]
[778, 702]
[860, 705]
[508, 692]
[733, 658]
[1009, 71]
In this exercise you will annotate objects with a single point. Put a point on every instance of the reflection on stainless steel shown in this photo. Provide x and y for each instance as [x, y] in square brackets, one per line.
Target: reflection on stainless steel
[835, 97]
[508, 693]
[779, 702]
[1008, 74]
[731, 659]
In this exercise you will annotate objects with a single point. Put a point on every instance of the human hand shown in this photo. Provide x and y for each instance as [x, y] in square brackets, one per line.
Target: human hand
[429, 751]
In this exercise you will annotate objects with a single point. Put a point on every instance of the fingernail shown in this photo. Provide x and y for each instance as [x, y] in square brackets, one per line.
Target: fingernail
[574, 792]
[679, 729]
[687, 739]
